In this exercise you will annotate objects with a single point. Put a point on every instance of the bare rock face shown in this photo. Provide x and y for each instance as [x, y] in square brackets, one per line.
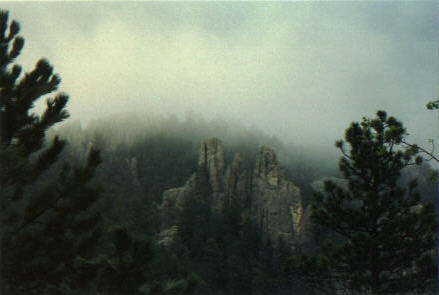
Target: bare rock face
[173, 201]
[232, 175]
[134, 170]
[167, 237]
[212, 159]
[276, 203]
[265, 195]
[267, 168]
[236, 182]
[175, 197]
[212, 162]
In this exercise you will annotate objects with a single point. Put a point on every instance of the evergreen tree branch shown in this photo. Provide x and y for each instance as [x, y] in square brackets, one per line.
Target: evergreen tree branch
[418, 148]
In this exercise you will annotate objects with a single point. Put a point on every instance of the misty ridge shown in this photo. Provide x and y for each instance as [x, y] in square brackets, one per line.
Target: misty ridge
[124, 133]
[146, 155]
[109, 133]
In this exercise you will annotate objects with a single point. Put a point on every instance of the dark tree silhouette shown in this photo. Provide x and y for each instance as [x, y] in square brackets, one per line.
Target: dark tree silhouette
[46, 221]
[385, 237]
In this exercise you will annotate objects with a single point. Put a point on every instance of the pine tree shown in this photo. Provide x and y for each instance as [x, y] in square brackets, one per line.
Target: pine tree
[124, 271]
[46, 221]
[385, 238]
[433, 105]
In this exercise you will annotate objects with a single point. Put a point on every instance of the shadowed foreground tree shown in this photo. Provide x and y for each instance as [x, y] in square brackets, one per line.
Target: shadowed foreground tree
[46, 221]
[385, 239]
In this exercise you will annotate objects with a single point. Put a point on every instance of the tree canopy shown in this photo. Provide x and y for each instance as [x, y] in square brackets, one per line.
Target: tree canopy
[46, 217]
[383, 238]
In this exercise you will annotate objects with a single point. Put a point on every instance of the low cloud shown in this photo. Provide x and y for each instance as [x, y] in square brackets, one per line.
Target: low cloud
[301, 71]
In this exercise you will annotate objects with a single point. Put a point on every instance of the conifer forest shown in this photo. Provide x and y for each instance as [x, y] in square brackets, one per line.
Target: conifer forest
[267, 185]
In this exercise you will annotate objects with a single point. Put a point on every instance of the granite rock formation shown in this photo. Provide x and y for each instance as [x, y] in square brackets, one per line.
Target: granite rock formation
[264, 194]
[275, 201]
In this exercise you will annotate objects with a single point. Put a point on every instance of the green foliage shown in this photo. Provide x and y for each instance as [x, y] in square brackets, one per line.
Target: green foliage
[46, 221]
[227, 251]
[182, 287]
[124, 271]
[174, 287]
[135, 177]
[383, 232]
[136, 265]
[433, 105]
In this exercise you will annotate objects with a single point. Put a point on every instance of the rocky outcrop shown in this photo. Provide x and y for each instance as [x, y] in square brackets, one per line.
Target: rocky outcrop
[173, 201]
[232, 177]
[275, 201]
[265, 194]
[133, 163]
[212, 160]
[167, 236]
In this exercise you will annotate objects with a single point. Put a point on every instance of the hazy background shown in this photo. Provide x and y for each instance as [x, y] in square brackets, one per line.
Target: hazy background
[301, 71]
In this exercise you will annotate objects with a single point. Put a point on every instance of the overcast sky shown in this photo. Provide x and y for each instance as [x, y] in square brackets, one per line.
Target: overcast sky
[298, 70]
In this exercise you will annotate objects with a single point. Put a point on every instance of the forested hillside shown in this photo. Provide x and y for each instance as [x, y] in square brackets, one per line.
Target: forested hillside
[145, 155]
[224, 252]
[159, 205]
